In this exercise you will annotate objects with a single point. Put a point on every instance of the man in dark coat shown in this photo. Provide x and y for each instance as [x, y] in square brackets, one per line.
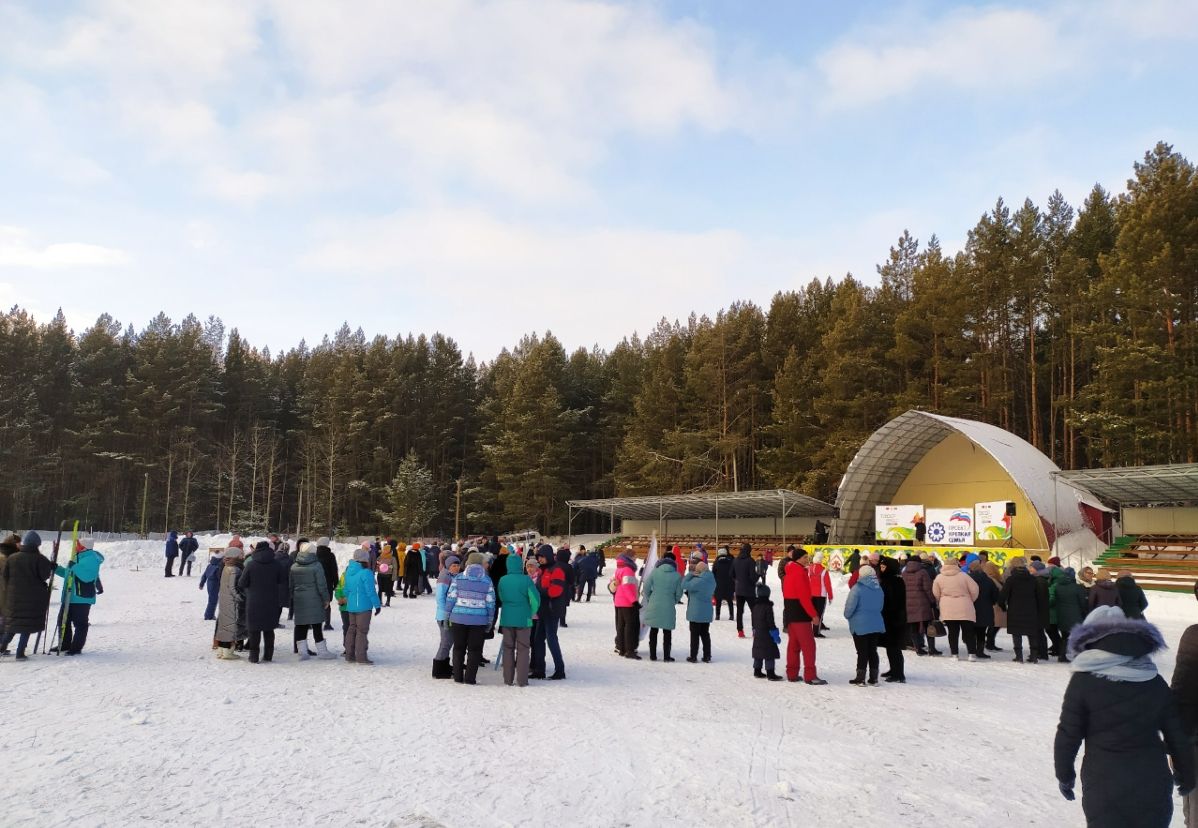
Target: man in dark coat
[328, 562]
[744, 573]
[1123, 711]
[172, 552]
[1025, 605]
[1185, 696]
[261, 581]
[26, 593]
[983, 608]
[187, 547]
[563, 560]
[283, 561]
[725, 583]
[586, 570]
[894, 616]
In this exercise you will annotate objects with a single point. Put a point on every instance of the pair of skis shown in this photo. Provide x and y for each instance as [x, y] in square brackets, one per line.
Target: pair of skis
[68, 588]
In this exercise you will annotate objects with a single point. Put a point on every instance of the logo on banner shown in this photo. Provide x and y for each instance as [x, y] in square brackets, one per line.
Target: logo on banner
[936, 532]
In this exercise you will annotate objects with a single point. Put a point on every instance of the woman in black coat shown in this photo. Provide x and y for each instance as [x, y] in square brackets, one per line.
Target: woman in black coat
[744, 573]
[725, 583]
[894, 616]
[261, 581]
[328, 562]
[1119, 706]
[1021, 599]
[983, 607]
[26, 593]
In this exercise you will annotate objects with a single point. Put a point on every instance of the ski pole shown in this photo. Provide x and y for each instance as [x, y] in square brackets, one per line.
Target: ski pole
[39, 641]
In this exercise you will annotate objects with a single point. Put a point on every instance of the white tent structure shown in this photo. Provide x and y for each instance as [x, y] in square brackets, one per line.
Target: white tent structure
[959, 462]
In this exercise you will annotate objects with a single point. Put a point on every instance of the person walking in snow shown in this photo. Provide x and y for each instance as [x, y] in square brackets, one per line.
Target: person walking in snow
[955, 593]
[586, 571]
[260, 582]
[283, 562]
[699, 587]
[628, 608]
[744, 572]
[551, 582]
[821, 590]
[894, 616]
[361, 599]
[562, 557]
[230, 615]
[413, 572]
[470, 603]
[1021, 600]
[800, 619]
[662, 591]
[1123, 712]
[172, 552]
[442, 669]
[84, 576]
[765, 635]
[520, 599]
[210, 578]
[1066, 605]
[725, 583]
[26, 594]
[1131, 597]
[983, 608]
[8, 547]
[385, 567]
[308, 596]
[328, 564]
[188, 546]
[863, 611]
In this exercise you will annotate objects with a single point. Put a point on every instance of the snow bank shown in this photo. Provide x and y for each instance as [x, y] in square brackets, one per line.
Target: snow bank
[147, 727]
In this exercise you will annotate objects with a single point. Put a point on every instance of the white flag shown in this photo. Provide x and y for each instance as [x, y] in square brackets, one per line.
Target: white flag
[650, 562]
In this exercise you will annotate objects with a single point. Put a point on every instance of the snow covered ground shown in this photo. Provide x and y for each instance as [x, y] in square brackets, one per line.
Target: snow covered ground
[147, 727]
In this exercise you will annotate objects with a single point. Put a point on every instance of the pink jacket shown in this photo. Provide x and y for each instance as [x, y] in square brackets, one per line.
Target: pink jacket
[626, 585]
[955, 593]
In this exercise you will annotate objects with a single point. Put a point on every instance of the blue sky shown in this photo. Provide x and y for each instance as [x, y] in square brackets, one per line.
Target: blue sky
[487, 169]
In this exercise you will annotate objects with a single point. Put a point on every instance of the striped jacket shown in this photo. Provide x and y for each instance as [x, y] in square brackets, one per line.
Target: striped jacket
[471, 598]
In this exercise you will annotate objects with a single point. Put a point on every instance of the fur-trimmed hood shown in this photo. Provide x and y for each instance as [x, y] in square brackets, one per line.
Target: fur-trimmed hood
[1106, 628]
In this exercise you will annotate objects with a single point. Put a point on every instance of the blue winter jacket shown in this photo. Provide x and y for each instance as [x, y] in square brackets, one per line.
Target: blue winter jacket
[86, 568]
[699, 590]
[439, 593]
[211, 576]
[864, 607]
[172, 545]
[586, 568]
[360, 592]
[471, 598]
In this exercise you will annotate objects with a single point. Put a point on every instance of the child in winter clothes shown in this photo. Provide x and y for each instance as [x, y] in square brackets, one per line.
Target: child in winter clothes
[699, 588]
[765, 635]
[385, 566]
[84, 575]
[211, 579]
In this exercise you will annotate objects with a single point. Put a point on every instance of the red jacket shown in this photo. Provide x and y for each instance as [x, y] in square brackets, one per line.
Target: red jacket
[821, 581]
[796, 586]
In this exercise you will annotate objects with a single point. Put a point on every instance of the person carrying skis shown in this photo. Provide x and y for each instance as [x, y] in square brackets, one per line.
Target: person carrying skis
[26, 596]
[82, 576]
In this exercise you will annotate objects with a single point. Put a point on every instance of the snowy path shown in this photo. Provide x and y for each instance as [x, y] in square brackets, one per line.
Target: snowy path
[149, 728]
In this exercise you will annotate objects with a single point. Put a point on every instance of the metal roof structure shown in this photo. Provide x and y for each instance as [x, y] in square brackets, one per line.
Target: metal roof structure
[779, 503]
[1175, 484]
[892, 452]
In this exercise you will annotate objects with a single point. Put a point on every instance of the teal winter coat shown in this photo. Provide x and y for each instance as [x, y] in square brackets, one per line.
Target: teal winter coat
[864, 607]
[663, 591]
[360, 592]
[86, 568]
[519, 598]
[699, 589]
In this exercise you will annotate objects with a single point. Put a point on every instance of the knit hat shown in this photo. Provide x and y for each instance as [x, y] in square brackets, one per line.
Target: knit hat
[1038, 566]
[1054, 561]
[453, 547]
[531, 562]
[32, 539]
[234, 552]
[236, 543]
[365, 545]
[866, 571]
[362, 555]
[452, 560]
[262, 546]
[1070, 573]
[476, 557]
[763, 592]
[87, 543]
[322, 542]
[723, 553]
[13, 540]
[218, 553]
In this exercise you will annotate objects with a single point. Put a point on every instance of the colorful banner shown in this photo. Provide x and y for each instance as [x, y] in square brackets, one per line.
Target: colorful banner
[992, 521]
[951, 527]
[896, 523]
[835, 558]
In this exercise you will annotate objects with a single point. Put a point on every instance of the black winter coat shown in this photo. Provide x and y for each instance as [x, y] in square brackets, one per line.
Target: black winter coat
[187, 546]
[983, 605]
[27, 594]
[261, 581]
[744, 573]
[284, 562]
[763, 622]
[1185, 681]
[1024, 603]
[1131, 597]
[725, 578]
[894, 607]
[1126, 778]
[328, 562]
[413, 568]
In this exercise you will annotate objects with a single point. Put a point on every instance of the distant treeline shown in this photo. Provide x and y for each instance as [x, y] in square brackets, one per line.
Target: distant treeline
[1075, 329]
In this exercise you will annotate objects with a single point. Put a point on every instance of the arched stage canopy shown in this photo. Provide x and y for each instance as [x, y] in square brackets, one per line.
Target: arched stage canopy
[890, 454]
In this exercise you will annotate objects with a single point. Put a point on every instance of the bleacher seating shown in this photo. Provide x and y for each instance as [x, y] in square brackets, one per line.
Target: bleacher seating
[760, 543]
[1161, 562]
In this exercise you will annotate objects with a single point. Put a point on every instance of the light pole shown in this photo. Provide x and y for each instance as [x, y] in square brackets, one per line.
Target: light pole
[145, 496]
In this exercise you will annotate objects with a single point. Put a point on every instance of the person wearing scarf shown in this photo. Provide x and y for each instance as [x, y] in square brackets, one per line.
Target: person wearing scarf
[1121, 708]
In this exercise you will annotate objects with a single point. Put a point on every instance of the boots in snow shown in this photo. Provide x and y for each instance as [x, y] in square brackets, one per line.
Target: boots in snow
[227, 654]
[303, 652]
[442, 668]
[772, 676]
[859, 679]
[758, 674]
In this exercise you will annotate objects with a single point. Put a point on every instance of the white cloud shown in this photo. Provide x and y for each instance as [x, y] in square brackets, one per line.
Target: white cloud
[18, 250]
